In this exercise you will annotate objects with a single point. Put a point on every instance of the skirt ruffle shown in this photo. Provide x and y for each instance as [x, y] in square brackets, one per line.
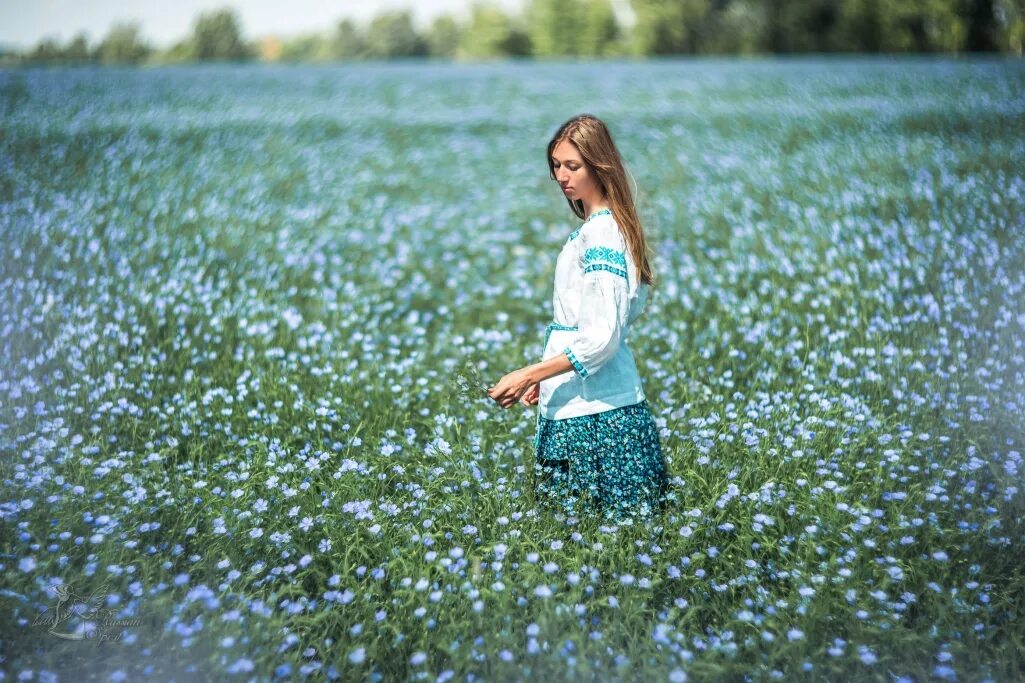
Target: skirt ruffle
[608, 463]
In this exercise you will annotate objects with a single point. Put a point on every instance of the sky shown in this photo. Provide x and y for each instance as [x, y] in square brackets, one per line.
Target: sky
[24, 22]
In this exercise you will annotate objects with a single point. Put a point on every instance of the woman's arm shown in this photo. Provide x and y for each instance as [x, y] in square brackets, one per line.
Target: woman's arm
[602, 317]
[512, 386]
[546, 369]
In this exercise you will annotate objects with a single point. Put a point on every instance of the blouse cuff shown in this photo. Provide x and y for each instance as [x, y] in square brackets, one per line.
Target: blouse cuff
[577, 365]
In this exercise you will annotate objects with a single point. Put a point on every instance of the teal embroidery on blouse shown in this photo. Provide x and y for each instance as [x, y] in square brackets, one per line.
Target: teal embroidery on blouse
[604, 254]
[605, 266]
[576, 363]
[605, 258]
[573, 234]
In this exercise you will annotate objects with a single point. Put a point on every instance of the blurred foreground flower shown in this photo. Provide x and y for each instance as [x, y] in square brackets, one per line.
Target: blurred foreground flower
[470, 383]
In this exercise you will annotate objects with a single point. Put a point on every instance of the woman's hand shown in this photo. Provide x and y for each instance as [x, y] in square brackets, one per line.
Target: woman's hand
[511, 387]
[532, 395]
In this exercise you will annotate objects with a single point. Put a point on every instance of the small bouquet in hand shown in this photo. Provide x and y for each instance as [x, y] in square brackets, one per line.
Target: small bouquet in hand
[470, 383]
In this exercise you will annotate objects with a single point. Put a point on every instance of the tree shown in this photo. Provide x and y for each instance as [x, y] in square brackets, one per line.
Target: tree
[734, 27]
[46, 50]
[492, 33]
[554, 27]
[571, 28]
[347, 42]
[182, 51]
[1011, 15]
[49, 50]
[517, 41]
[861, 24]
[786, 26]
[598, 29]
[78, 50]
[893, 26]
[444, 36]
[216, 35]
[982, 28]
[391, 34]
[668, 26]
[304, 48]
[122, 45]
[815, 26]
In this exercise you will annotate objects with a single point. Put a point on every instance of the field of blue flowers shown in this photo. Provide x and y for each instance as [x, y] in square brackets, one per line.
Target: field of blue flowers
[243, 308]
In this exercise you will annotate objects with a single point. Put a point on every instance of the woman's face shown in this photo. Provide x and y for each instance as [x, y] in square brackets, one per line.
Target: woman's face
[573, 176]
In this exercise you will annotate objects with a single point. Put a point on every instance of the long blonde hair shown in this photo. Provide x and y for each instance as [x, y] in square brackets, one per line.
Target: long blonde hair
[591, 137]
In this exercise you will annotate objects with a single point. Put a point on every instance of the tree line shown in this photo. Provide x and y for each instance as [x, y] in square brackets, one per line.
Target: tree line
[584, 28]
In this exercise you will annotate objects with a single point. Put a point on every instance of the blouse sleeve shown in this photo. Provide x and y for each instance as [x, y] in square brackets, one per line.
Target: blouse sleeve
[604, 301]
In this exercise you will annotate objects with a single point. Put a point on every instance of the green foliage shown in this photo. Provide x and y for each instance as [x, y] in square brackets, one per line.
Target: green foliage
[553, 27]
[46, 50]
[391, 34]
[599, 30]
[216, 35]
[571, 28]
[591, 28]
[123, 45]
[904, 26]
[668, 26]
[1013, 14]
[182, 51]
[347, 42]
[444, 36]
[305, 48]
[49, 50]
[492, 33]
[736, 29]
[78, 49]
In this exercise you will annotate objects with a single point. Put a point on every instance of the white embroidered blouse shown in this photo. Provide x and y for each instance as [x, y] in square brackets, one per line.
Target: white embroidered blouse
[598, 295]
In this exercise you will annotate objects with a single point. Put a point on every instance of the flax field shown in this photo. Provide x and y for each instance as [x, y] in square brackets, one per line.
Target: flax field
[247, 311]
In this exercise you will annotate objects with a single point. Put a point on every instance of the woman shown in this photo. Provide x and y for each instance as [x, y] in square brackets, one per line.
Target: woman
[597, 446]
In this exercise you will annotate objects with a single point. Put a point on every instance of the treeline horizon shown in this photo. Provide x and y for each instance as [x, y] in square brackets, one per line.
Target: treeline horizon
[580, 28]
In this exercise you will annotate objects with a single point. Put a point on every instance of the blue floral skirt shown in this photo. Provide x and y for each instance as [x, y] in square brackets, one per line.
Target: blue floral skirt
[609, 463]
